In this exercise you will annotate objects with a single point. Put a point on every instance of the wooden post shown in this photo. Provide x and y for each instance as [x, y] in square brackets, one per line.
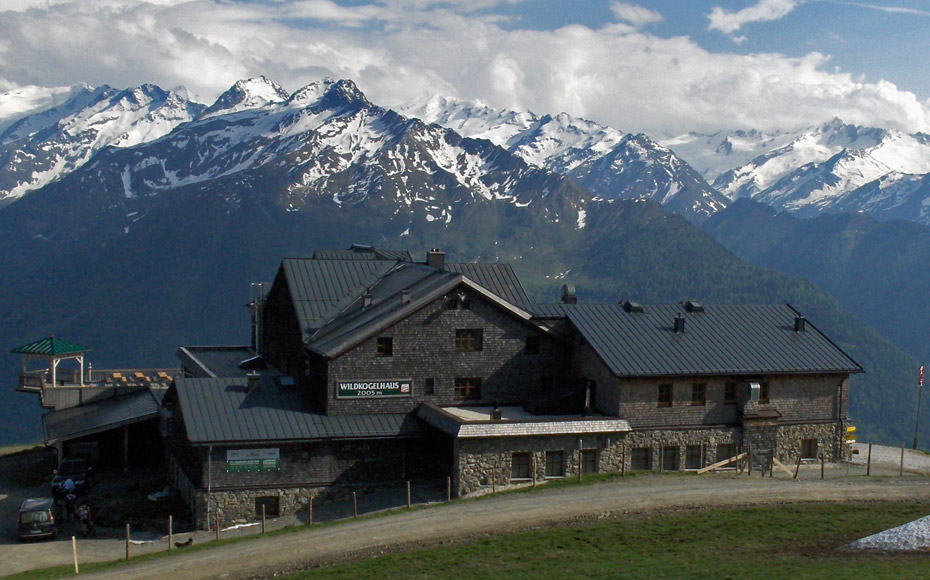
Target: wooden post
[901, 467]
[534, 470]
[74, 553]
[263, 518]
[821, 466]
[448, 488]
[310, 513]
[623, 460]
[408, 495]
[798, 466]
[216, 523]
[661, 458]
[493, 481]
[748, 460]
[868, 463]
[354, 505]
[771, 466]
[127, 542]
[170, 531]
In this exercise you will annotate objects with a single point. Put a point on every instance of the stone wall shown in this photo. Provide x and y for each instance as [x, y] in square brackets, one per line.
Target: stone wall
[829, 437]
[424, 348]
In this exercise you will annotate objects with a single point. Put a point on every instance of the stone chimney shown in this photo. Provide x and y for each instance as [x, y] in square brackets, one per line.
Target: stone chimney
[436, 258]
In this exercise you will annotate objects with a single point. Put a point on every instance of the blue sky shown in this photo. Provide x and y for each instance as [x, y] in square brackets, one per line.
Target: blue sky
[661, 67]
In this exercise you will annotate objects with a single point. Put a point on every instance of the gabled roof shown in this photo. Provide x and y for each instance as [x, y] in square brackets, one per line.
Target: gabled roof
[496, 277]
[222, 410]
[723, 339]
[52, 347]
[360, 252]
[422, 284]
[99, 416]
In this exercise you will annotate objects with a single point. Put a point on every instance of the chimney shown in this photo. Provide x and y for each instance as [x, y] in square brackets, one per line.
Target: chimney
[679, 324]
[436, 258]
[366, 300]
[405, 296]
[568, 294]
[800, 323]
[254, 382]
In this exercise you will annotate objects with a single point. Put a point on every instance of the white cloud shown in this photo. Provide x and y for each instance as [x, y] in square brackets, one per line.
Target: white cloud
[634, 14]
[729, 22]
[396, 50]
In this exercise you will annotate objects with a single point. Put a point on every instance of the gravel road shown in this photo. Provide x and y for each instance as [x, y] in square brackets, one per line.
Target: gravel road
[460, 520]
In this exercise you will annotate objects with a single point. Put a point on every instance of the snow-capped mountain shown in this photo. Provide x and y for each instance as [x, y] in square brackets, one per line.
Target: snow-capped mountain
[608, 162]
[40, 148]
[837, 167]
[716, 153]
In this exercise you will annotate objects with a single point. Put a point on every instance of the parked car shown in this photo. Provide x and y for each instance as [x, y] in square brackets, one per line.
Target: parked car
[78, 470]
[37, 519]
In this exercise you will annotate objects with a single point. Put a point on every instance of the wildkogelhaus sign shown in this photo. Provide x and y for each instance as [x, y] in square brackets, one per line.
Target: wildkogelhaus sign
[374, 388]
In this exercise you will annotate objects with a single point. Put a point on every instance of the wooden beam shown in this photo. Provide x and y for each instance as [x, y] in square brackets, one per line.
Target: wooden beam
[782, 466]
[722, 463]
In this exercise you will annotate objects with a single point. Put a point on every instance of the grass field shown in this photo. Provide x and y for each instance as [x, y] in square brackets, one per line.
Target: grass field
[797, 542]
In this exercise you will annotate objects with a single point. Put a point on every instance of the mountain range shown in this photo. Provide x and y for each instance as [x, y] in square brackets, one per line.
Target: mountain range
[147, 216]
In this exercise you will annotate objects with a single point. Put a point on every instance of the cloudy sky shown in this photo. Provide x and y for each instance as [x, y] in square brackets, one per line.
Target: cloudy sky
[658, 66]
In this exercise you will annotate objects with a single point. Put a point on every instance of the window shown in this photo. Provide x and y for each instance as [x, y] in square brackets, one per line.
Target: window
[520, 465]
[665, 395]
[588, 461]
[808, 449]
[698, 394]
[729, 394]
[555, 464]
[694, 458]
[641, 458]
[532, 344]
[429, 387]
[468, 339]
[546, 383]
[726, 451]
[468, 389]
[670, 458]
[764, 393]
[385, 346]
[270, 503]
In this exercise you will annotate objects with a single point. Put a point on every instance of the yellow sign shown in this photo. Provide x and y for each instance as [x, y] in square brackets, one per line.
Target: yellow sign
[851, 429]
[850, 438]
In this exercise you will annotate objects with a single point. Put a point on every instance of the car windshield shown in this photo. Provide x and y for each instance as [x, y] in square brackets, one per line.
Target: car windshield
[37, 517]
[72, 467]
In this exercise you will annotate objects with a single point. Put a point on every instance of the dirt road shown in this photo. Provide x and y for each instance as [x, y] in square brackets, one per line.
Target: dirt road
[465, 519]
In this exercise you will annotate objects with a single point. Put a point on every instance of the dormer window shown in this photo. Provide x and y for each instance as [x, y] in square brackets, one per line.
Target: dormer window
[385, 346]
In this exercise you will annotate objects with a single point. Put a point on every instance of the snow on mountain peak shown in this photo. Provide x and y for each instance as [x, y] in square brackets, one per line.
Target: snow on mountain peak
[247, 94]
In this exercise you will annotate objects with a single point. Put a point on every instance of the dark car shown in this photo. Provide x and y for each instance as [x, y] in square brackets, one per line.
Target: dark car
[78, 471]
[37, 519]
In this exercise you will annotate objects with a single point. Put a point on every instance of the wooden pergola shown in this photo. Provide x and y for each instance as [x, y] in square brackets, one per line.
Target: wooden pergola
[52, 351]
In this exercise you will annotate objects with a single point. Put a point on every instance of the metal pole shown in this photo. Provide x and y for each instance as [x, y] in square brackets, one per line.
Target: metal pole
[920, 390]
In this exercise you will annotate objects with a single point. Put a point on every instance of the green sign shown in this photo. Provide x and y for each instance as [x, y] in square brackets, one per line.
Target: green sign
[374, 389]
[244, 460]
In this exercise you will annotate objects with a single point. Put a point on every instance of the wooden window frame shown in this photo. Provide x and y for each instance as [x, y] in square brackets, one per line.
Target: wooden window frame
[467, 388]
[699, 394]
[555, 463]
[665, 396]
[384, 346]
[730, 396]
[521, 465]
[641, 459]
[765, 393]
[469, 339]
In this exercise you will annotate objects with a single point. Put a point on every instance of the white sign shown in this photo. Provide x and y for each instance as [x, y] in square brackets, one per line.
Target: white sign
[252, 454]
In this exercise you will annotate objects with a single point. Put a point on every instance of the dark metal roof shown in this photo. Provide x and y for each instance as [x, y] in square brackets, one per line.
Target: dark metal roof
[321, 288]
[99, 416]
[547, 310]
[724, 339]
[223, 411]
[360, 252]
[219, 361]
[52, 347]
[496, 277]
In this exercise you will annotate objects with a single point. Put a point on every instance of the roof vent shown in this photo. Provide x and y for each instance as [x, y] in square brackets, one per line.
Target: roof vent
[631, 306]
[679, 324]
[366, 300]
[692, 306]
[254, 383]
[800, 323]
[436, 258]
[405, 296]
[568, 294]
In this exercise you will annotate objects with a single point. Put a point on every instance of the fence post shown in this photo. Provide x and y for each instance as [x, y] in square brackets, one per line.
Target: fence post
[797, 468]
[408, 494]
[216, 523]
[901, 467]
[822, 461]
[263, 518]
[74, 553]
[868, 463]
[354, 505]
[534, 470]
[127, 542]
[310, 514]
[449, 488]
[170, 530]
